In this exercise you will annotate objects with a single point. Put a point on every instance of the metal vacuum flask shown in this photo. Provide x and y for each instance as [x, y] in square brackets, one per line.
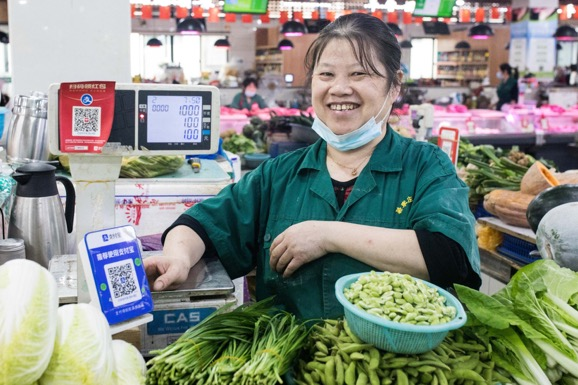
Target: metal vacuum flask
[37, 215]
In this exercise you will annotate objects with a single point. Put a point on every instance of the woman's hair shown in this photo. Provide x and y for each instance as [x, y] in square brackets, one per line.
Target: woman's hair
[367, 35]
[513, 72]
[248, 81]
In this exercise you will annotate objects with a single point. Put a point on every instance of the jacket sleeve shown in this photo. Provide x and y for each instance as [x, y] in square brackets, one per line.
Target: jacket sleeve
[233, 220]
[441, 203]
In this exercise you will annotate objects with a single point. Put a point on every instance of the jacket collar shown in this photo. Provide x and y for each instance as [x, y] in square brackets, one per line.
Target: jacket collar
[386, 156]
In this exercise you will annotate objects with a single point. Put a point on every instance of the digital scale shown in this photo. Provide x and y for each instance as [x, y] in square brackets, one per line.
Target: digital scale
[148, 119]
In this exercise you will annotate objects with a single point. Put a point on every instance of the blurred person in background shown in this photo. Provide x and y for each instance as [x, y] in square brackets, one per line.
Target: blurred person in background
[248, 96]
[508, 88]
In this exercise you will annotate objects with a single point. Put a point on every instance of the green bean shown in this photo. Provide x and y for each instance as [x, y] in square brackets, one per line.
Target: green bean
[350, 374]
[374, 358]
[330, 372]
[362, 379]
[401, 377]
[466, 374]
[339, 370]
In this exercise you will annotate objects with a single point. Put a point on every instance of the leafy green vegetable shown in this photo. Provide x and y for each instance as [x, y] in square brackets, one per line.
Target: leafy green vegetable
[129, 365]
[239, 144]
[28, 308]
[538, 304]
[83, 348]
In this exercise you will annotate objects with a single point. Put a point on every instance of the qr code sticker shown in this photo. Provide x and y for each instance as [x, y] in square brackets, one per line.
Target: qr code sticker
[86, 121]
[123, 282]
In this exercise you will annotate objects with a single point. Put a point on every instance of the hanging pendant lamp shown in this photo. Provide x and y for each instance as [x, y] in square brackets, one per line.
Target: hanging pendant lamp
[285, 45]
[223, 43]
[405, 44]
[395, 29]
[566, 33]
[462, 45]
[293, 28]
[190, 25]
[154, 42]
[481, 32]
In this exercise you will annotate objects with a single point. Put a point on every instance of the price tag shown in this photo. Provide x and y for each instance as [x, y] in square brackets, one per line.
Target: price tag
[449, 141]
[114, 272]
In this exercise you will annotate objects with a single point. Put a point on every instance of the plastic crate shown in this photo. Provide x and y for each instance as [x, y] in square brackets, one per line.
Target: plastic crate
[517, 249]
[480, 211]
[393, 336]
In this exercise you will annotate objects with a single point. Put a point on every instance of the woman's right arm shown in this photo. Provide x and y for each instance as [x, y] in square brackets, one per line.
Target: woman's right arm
[183, 248]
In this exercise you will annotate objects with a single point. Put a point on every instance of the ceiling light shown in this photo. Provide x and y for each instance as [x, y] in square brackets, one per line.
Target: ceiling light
[566, 32]
[190, 25]
[285, 45]
[395, 29]
[405, 44]
[480, 32]
[223, 43]
[462, 45]
[154, 42]
[293, 28]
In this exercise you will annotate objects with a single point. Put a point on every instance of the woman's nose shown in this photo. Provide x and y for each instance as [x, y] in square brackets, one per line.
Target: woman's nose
[341, 86]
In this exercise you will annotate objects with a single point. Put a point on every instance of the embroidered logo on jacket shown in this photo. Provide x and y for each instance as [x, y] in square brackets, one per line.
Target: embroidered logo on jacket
[403, 205]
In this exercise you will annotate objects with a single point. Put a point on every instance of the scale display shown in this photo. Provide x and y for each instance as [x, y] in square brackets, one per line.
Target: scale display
[174, 119]
[149, 119]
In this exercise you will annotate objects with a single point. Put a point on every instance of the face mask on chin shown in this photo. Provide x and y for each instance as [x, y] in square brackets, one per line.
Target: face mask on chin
[354, 139]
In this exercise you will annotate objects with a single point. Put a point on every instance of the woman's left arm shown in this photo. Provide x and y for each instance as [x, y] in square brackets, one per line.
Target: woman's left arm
[383, 248]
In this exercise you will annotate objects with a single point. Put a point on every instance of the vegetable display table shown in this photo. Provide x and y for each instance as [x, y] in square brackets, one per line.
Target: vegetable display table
[514, 252]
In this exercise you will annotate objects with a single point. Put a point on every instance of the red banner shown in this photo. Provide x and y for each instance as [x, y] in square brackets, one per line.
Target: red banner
[480, 15]
[213, 15]
[246, 18]
[230, 17]
[265, 18]
[147, 12]
[182, 12]
[407, 18]
[392, 17]
[164, 12]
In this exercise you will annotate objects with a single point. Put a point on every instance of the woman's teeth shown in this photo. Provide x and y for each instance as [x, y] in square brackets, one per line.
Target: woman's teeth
[342, 107]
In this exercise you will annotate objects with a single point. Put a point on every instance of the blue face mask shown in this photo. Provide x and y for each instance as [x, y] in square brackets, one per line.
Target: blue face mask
[354, 139]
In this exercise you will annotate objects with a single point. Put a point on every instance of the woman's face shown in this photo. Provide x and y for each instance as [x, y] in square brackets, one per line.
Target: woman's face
[251, 88]
[344, 95]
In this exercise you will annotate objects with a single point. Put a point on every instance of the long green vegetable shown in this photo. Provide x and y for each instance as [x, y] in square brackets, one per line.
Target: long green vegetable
[186, 360]
[249, 345]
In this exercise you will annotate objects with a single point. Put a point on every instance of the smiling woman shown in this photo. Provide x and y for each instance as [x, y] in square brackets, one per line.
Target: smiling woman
[361, 198]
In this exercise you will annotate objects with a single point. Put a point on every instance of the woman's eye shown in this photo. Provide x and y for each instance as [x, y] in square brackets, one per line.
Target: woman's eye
[325, 74]
[358, 74]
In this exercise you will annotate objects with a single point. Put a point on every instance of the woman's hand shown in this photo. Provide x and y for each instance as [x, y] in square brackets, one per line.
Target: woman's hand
[183, 248]
[299, 244]
[166, 272]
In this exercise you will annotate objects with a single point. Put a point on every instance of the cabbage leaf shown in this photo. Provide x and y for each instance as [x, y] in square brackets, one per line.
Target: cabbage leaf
[28, 321]
[83, 348]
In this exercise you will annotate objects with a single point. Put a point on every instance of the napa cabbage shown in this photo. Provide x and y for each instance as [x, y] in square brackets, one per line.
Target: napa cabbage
[83, 348]
[130, 366]
[28, 321]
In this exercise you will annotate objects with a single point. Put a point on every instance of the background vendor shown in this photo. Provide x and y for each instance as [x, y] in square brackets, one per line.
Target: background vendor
[508, 87]
[248, 96]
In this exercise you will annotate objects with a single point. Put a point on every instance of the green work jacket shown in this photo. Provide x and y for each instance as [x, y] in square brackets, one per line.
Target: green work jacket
[406, 185]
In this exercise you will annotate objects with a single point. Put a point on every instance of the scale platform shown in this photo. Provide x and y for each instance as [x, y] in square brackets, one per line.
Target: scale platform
[207, 278]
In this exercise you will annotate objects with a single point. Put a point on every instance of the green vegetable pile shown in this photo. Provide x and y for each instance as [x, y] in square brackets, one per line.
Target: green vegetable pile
[335, 356]
[488, 168]
[150, 166]
[532, 324]
[248, 345]
[399, 298]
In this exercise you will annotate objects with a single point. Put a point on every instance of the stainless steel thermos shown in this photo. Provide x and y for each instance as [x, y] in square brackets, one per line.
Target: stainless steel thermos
[27, 136]
[37, 215]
